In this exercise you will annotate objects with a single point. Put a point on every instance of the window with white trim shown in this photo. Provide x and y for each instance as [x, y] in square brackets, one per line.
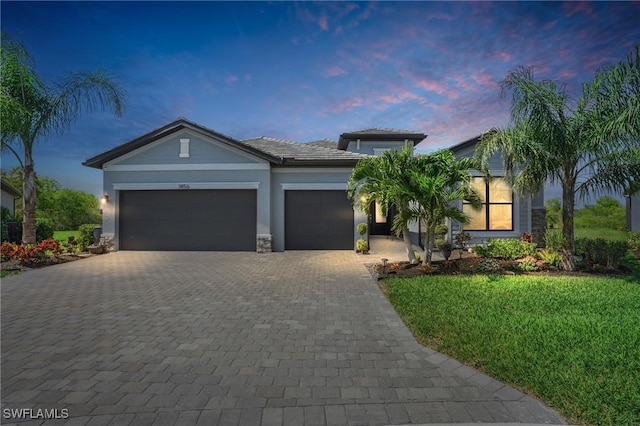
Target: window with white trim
[184, 148]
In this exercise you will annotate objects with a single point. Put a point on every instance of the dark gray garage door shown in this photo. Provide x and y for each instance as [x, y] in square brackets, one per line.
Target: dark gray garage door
[188, 220]
[318, 220]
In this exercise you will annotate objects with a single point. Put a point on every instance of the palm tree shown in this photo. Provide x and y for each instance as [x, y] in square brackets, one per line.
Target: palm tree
[31, 110]
[590, 145]
[385, 179]
[438, 182]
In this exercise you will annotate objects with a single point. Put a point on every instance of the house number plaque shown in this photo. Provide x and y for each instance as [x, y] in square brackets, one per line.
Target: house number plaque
[183, 186]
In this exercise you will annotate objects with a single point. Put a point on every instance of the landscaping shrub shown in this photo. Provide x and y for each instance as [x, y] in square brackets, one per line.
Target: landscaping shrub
[85, 239]
[22, 252]
[44, 230]
[600, 253]
[554, 239]
[634, 240]
[488, 266]
[506, 248]
[553, 258]
[526, 264]
[362, 245]
[361, 228]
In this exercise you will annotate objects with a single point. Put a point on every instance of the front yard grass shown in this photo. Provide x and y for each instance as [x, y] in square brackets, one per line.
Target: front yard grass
[573, 341]
[63, 236]
[606, 233]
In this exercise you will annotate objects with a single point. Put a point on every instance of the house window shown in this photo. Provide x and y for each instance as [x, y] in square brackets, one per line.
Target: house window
[184, 148]
[496, 213]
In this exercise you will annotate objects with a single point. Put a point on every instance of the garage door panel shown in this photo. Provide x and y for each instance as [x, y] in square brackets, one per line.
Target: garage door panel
[188, 220]
[318, 220]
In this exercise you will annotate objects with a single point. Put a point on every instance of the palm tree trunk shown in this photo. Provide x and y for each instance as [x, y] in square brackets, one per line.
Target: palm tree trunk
[28, 199]
[408, 245]
[428, 245]
[568, 205]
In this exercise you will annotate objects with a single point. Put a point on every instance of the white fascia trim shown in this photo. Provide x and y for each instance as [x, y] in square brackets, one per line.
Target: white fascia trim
[184, 167]
[314, 186]
[313, 170]
[184, 185]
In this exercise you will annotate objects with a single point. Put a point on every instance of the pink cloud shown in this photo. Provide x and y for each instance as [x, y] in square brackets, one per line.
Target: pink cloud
[431, 85]
[550, 25]
[334, 71]
[573, 7]
[503, 55]
[231, 79]
[348, 103]
[323, 22]
[566, 73]
[402, 95]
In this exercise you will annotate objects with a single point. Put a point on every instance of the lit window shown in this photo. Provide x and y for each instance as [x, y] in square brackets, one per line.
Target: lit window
[496, 213]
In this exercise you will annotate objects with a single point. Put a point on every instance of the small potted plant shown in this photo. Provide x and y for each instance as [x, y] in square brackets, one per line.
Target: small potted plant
[362, 245]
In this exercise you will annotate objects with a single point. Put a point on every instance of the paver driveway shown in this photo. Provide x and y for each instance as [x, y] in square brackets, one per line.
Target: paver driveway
[230, 338]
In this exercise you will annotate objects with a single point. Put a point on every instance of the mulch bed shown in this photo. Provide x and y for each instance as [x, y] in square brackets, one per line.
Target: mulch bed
[14, 265]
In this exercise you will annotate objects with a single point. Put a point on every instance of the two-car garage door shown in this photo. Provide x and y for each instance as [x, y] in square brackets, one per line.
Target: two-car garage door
[188, 220]
[225, 220]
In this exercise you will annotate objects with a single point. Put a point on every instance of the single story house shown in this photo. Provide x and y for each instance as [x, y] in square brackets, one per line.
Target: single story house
[9, 196]
[186, 187]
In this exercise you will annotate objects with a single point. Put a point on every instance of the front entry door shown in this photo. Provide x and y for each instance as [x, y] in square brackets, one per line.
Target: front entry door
[380, 224]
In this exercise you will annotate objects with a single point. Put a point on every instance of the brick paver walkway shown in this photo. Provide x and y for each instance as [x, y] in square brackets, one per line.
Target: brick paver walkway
[230, 338]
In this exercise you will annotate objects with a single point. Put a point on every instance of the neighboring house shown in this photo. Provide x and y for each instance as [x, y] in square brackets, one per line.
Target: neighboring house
[504, 214]
[186, 187]
[9, 196]
[633, 211]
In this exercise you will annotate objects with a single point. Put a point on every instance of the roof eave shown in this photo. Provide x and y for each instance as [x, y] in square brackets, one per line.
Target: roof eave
[345, 138]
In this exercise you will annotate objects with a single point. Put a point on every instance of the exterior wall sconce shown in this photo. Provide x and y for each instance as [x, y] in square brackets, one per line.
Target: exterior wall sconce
[104, 199]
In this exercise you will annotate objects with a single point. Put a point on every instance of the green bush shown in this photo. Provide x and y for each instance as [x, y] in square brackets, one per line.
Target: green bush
[362, 245]
[527, 264]
[441, 229]
[553, 258]
[599, 252]
[85, 239]
[507, 248]
[361, 228]
[634, 240]
[44, 230]
[488, 266]
[554, 239]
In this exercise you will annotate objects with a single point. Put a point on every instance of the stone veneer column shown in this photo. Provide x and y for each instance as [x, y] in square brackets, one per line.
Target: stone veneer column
[538, 225]
[263, 243]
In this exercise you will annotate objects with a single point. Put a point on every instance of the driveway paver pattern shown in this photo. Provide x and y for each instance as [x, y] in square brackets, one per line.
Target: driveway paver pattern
[230, 338]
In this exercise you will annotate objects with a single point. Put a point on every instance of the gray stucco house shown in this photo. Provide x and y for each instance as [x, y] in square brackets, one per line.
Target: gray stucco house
[9, 196]
[186, 187]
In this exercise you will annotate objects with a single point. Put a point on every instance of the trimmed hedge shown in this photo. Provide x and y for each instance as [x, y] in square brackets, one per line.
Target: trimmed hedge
[506, 248]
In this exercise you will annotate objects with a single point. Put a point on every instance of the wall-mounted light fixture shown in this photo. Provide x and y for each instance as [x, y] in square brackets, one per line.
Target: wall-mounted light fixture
[105, 199]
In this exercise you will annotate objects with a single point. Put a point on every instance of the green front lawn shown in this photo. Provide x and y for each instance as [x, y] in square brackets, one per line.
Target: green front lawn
[572, 341]
[63, 236]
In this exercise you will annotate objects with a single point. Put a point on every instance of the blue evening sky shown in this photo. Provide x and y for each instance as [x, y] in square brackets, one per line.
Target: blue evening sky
[307, 70]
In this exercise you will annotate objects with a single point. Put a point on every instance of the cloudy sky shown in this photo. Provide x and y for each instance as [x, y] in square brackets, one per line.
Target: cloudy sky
[307, 70]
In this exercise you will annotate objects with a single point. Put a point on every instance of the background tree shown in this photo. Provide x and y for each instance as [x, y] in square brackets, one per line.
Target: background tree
[385, 179]
[30, 110]
[589, 145]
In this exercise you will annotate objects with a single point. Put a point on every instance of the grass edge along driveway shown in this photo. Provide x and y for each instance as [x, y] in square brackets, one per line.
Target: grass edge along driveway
[574, 342]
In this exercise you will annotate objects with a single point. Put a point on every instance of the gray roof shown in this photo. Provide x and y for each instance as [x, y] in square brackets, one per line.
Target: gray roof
[324, 143]
[380, 134]
[471, 142]
[7, 187]
[297, 153]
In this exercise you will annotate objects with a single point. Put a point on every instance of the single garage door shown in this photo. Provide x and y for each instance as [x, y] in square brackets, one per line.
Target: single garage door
[318, 220]
[188, 220]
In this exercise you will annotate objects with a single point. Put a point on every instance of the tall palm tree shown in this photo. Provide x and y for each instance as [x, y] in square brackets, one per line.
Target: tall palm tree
[438, 182]
[590, 145]
[31, 110]
[385, 179]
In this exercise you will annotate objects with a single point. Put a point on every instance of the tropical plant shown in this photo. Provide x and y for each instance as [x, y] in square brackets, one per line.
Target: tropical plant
[385, 179]
[588, 145]
[31, 110]
[437, 183]
[553, 213]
